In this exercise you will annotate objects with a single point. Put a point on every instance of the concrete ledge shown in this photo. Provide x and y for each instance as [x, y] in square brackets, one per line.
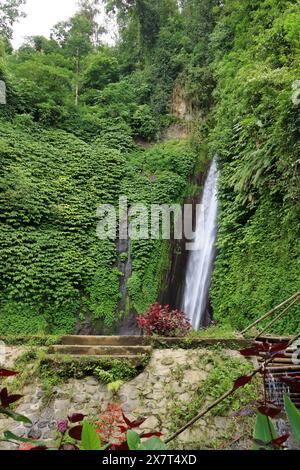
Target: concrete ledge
[108, 350]
[155, 342]
[196, 343]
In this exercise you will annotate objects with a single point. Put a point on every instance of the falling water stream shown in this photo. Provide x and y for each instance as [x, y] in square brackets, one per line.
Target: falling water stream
[201, 258]
[276, 391]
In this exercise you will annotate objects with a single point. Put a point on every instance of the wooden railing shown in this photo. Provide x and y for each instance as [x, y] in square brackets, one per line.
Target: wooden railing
[291, 301]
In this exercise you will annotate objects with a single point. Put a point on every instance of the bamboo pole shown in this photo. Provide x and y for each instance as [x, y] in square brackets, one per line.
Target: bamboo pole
[222, 398]
[277, 317]
[270, 312]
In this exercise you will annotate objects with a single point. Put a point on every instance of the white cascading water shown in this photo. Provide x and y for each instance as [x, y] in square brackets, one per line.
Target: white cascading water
[201, 259]
[276, 390]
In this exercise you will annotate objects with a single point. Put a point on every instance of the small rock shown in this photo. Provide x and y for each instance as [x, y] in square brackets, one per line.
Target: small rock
[34, 433]
[167, 361]
[195, 376]
[43, 424]
[91, 389]
[79, 399]
[47, 414]
[32, 418]
[185, 437]
[28, 390]
[221, 423]
[61, 404]
[158, 386]
[127, 408]
[35, 407]
[91, 381]
[62, 395]
[23, 409]
[19, 431]
[162, 405]
[151, 423]
[47, 434]
[186, 397]
[148, 395]
[177, 388]
[52, 424]
[138, 412]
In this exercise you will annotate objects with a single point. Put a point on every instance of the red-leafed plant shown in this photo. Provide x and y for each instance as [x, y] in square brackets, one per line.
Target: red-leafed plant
[28, 446]
[114, 425]
[110, 432]
[110, 424]
[162, 321]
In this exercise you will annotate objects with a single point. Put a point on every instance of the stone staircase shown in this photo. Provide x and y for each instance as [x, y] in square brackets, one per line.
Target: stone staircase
[133, 348]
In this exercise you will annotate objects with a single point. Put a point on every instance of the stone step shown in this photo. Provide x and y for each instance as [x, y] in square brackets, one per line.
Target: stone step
[105, 340]
[133, 360]
[81, 350]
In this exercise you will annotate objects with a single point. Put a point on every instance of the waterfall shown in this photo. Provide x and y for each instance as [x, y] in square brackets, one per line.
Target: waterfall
[276, 389]
[201, 258]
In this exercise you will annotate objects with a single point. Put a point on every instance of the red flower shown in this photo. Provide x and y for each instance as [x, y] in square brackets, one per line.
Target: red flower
[111, 426]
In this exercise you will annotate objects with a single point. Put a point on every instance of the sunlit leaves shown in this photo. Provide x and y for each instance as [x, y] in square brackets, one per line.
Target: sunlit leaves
[264, 433]
[89, 438]
[293, 416]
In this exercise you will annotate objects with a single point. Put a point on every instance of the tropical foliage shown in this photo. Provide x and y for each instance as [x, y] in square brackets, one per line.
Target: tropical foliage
[76, 113]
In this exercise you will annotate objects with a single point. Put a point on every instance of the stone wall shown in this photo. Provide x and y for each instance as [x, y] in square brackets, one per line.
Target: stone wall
[170, 380]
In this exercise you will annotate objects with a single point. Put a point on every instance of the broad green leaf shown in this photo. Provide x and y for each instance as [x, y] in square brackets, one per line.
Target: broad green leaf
[293, 416]
[154, 443]
[15, 416]
[9, 436]
[133, 440]
[89, 438]
[264, 431]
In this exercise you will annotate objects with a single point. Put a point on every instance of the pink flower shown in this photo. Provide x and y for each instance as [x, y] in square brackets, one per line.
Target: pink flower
[62, 426]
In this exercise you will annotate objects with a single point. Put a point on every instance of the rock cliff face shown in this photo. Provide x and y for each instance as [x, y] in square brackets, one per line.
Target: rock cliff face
[163, 391]
[180, 107]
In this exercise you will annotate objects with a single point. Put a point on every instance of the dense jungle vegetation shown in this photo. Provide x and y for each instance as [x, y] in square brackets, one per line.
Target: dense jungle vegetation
[77, 111]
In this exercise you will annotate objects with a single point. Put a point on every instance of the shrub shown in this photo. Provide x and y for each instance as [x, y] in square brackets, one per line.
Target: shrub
[163, 322]
[144, 123]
